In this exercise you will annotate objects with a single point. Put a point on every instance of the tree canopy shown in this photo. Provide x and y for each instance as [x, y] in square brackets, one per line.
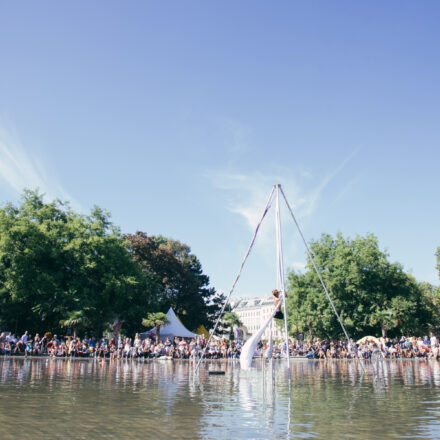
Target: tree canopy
[372, 295]
[184, 287]
[61, 271]
[231, 319]
[438, 260]
[155, 320]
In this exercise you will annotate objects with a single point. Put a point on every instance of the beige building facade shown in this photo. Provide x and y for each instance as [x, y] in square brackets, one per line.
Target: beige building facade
[253, 313]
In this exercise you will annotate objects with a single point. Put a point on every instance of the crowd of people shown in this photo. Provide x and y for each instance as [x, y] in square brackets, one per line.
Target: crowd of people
[115, 347]
[403, 347]
[219, 348]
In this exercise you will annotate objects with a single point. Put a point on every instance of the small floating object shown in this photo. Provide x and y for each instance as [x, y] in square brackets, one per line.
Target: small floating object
[216, 372]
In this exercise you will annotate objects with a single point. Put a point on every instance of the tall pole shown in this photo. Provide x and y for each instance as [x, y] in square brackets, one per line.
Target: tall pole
[268, 205]
[280, 264]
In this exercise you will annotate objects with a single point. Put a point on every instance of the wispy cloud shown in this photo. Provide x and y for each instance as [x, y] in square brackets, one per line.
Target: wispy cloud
[19, 170]
[317, 191]
[247, 193]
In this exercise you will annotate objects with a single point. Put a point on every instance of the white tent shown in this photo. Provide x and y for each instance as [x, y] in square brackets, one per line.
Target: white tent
[173, 328]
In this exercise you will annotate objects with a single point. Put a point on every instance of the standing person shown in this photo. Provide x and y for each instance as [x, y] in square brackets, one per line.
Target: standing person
[127, 348]
[25, 337]
[43, 345]
[71, 347]
[434, 349]
[37, 345]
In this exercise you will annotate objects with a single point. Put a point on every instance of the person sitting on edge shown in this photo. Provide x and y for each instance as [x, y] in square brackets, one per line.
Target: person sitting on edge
[277, 303]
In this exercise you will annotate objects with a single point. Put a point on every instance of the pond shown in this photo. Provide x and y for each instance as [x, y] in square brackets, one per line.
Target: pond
[82, 399]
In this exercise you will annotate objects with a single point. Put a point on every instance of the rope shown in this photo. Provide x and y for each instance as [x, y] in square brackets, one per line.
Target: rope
[309, 253]
[268, 205]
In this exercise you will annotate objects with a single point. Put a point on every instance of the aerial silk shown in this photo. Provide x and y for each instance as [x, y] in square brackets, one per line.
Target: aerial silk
[248, 350]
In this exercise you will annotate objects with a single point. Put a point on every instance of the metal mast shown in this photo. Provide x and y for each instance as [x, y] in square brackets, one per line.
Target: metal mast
[280, 268]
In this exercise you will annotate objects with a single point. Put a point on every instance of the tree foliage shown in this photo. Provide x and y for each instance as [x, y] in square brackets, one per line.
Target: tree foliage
[179, 273]
[372, 295]
[231, 319]
[155, 320]
[61, 269]
[437, 254]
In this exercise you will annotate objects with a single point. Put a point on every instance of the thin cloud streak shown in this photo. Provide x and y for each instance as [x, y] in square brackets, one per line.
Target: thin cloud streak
[247, 195]
[313, 198]
[20, 170]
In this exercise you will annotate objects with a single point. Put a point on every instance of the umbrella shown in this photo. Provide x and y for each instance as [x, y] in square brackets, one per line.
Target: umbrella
[366, 339]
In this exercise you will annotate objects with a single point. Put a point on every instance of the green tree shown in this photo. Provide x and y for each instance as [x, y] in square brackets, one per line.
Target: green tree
[232, 320]
[77, 320]
[437, 254]
[59, 267]
[184, 287]
[431, 297]
[155, 320]
[372, 295]
[385, 318]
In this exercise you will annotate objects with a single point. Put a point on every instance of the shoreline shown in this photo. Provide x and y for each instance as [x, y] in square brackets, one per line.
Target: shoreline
[162, 359]
[77, 358]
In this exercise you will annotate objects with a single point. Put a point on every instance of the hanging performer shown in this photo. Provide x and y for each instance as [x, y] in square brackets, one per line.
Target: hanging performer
[248, 350]
[277, 303]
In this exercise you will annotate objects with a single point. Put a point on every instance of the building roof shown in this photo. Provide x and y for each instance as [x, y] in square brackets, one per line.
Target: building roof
[246, 303]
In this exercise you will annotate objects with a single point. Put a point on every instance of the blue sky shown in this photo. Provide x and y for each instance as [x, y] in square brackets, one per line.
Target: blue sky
[178, 117]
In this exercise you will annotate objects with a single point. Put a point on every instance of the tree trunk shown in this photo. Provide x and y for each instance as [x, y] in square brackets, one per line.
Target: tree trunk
[231, 333]
[384, 330]
[310, 329]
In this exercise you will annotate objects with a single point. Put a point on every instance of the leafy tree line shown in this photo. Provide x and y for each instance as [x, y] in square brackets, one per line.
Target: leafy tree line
[372, 295]
[60, 269]
[438, 260]
[183, 285]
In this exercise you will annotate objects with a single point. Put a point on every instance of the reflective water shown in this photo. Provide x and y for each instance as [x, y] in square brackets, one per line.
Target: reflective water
[79, 399]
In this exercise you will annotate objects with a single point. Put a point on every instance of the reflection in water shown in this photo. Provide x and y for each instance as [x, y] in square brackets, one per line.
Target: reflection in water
[165, 399]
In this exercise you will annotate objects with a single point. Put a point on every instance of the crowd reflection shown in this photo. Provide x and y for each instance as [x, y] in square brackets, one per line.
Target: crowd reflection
[31, 371]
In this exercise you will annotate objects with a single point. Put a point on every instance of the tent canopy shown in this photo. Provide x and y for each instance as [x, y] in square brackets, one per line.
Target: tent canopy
[173, 328]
